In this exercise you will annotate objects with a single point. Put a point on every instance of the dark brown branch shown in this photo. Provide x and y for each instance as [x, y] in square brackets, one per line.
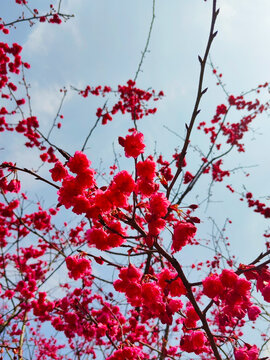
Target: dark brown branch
[101, 258]
[164, 343]
[191, 298]
[254, 268]
[38, 177]
[200, 93]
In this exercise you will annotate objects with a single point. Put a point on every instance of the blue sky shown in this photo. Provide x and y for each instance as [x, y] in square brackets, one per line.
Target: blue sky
[102, 44]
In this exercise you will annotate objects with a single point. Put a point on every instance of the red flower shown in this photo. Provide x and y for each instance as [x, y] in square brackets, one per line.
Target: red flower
[253, 312]
[77, 267]
[59, 172]
[133, 144]
[14, 186]
[266, 293]
[123, 182]
[78, 163]
[183, 233]
[159, 205]
[212, 286]
[228, 278]
[169, 282]
[193, 342]
[246, 353]
[146, 169]
[98, 238]
[188, 177]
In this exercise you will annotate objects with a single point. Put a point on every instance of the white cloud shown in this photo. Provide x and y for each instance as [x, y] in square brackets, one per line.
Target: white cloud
[38, 41]
[44, 37]
[45, 100]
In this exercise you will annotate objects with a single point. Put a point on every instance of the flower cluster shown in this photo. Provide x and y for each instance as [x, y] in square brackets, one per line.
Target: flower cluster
[132, 100]
[194, 342]
[234, 294]
[247, 352]
[105, 240]
[152, 296]
[258, 206]
[158, 208]
[78, 267]
[128, 353]
[234, 132]
[184, 232]
[146, 173]
[133, 144]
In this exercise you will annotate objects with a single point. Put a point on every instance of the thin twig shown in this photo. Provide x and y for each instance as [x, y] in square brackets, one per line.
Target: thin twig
[38, 177]
[147, 41]
[64, 16]
[93, 128]
[57, 114]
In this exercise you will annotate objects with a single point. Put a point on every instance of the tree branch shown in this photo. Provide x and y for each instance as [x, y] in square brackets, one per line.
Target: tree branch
[200, 93]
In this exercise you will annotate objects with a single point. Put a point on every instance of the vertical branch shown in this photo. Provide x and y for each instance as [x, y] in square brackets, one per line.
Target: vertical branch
[57, 114]
[191, 298]
[200, 93]
[147, 41]
[20, 354]
[164, 343]
[93, 128]
[59, 5]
